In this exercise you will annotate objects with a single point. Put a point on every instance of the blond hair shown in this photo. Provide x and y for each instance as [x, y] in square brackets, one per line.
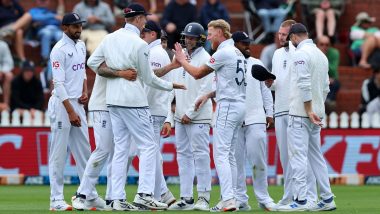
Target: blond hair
[288, 23]
[223, 25]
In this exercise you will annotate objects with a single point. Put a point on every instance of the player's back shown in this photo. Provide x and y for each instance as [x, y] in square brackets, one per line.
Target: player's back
[120, 50]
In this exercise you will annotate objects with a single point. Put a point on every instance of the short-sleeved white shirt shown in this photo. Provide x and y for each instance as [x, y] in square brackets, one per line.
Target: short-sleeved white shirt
[230, 70]
[68, 59]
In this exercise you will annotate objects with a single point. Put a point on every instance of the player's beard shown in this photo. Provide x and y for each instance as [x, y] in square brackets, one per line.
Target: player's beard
[75, 36]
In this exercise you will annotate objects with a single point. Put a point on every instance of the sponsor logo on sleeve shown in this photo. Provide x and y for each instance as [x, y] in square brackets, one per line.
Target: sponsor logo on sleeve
[56, 65]
[212, 60]
[299, 62]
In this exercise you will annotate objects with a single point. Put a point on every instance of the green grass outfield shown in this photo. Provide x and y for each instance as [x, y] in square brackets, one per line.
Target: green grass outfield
[35, 199]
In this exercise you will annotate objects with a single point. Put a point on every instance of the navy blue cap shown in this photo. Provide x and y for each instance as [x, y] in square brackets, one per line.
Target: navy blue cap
[240, 36]
[297, 28]
[152, 26]
[260, 73]
[134, 10]
[72, 19]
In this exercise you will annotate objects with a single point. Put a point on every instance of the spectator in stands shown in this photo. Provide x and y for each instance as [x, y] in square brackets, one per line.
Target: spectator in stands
[268, 10]
[99, 18]
[370, 89]
[365, 38]
[325, 11]
[194, 2]
[45, 23]
[119, 6]
[212, 10]
[332, 55]
[6, 76]
[177, 14]
[10, 11]
[268, 52]
[27, 91]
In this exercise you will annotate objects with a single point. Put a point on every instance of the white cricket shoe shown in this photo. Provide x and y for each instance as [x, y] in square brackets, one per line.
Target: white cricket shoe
[149, 202]
[243, 206]
[323, 206]
[123, 205]
[229, 205]
[183, 204]
[60, 205]
[95, 204]
[218, 207]
[168, 198]
[270, 206]
[293, 207]
[78, 202]
[202, 204]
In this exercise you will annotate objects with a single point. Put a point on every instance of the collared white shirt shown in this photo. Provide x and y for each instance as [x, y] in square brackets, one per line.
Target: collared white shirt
[69, 69]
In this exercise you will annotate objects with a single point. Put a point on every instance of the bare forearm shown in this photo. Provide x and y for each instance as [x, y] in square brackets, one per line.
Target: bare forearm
[164, 70]
[308, 107]
[69, 108]
[107, 72]
[211, 94]
[85, 91]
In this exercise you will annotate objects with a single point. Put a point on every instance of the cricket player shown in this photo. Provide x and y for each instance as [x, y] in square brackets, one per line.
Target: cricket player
[87, 197]
[309, 86]
[281, 68]
[66, 111]
[128, 107]
[157, 100]
[252, 137]
[192, 127]
[229, 65]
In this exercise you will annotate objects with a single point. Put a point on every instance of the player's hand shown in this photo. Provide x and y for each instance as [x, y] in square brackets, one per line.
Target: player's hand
[200, 102]
[270, 122]
[269, 82]
[83, 99]
[175, 64]
[129, 74]
[179, 86]
[179, 54]
[171, 27]
[74, 119]
[185, 119]
[166, 130]
[315, 119]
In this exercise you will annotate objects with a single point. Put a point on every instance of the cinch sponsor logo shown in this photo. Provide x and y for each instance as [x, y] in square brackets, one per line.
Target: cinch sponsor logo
[155, 64]
[78, 67]
[301, 62]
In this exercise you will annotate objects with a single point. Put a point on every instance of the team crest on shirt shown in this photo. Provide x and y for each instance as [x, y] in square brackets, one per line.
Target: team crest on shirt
[284, 65]
[212, 60]
[56, 64]
[104, 124]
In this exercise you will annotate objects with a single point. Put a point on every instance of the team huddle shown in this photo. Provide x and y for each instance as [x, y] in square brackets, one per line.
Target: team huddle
[135, 86]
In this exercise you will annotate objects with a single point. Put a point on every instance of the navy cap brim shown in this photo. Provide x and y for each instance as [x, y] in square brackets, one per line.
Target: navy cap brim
[260, 73]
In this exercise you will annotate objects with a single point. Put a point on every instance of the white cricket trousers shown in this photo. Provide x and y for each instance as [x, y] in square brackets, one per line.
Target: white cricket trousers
[281, 126]
[135, 122]
[304, 148]
[63, 135]
[193, 157]
[252, 146]
[229, 117]
[160, 186]
[103, 153]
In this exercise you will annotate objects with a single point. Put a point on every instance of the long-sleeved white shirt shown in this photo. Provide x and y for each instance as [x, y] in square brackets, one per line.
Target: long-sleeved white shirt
[98, 95]
[309, 80]
[281, 65]
[121, 50]
[68, 60]
[258, 97]
[158, 99]
[185, 99]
